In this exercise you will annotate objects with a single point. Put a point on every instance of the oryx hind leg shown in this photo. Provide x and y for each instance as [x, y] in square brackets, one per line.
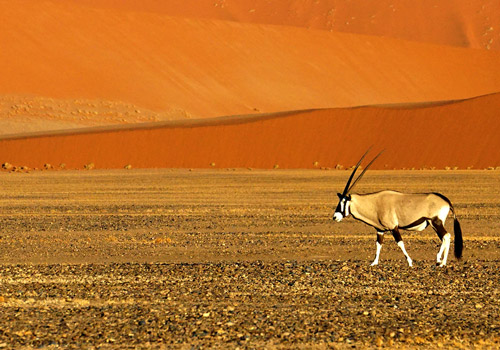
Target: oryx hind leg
[399, 241]
[445, 237]
[380, 240]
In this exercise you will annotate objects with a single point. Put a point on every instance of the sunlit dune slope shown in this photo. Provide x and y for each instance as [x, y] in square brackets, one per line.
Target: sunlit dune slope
[468, 23]
[463, 134]
[66, 50]
[22, 114]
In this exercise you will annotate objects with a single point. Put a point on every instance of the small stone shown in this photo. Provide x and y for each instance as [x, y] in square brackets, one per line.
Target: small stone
[7, 166]
[419, 340]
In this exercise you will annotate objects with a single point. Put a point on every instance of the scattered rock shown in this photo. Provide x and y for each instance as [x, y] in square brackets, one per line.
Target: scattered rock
[7, 166]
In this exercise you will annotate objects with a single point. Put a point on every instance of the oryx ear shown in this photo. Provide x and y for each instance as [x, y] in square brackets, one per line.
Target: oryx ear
[340, 196]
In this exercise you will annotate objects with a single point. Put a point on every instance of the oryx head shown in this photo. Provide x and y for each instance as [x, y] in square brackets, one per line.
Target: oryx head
[343, 206]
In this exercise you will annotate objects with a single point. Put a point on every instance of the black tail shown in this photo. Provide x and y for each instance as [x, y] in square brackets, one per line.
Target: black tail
[459, 243]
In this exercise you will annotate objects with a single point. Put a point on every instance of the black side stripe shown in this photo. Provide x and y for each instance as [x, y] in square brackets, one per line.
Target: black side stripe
[414, 224]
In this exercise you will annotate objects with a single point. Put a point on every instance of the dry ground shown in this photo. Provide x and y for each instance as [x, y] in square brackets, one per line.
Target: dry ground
[226, 259]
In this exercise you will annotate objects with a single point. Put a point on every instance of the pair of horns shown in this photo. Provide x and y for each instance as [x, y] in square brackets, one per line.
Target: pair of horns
[348, 186]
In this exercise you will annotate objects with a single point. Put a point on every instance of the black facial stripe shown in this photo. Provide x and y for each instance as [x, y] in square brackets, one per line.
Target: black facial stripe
[343, 200]
[339, 209]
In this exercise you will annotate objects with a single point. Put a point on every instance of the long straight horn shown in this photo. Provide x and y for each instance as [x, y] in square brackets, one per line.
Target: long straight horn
[346, 189]
[363, 172]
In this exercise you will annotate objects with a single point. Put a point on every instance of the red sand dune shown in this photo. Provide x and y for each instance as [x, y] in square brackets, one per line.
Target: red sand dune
[468, 23]
[462, 134]
[66, 64]
[206, 68]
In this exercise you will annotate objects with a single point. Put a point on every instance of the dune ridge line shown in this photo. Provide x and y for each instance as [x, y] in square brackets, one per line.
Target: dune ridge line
[225, 120]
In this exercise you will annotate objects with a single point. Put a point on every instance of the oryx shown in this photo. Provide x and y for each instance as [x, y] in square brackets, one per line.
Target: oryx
[391, 211]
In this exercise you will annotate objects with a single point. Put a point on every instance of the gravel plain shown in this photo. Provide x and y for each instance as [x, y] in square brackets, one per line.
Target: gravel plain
[238, 258]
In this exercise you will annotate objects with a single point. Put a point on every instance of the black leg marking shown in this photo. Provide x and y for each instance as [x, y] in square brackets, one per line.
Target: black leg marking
[397, 235]
[380, 237]
[437, 225]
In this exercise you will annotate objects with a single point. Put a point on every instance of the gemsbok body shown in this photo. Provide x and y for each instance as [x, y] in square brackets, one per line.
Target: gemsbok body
[392, 211]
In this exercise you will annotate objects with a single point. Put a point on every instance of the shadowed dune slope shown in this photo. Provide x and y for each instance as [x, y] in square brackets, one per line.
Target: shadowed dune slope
[208, 68]
[459, 134]
[468, 23]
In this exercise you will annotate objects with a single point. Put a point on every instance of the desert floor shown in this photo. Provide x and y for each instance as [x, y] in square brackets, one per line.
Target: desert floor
[238, 258]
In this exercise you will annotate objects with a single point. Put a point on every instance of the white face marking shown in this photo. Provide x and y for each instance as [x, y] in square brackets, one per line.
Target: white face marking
[338, 216]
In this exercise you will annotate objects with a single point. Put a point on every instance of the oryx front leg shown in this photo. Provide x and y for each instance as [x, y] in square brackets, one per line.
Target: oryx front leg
[399, 241]
[380, 240]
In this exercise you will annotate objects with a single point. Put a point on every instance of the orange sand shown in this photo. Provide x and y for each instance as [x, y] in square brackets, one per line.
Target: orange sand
[209, 68]
[459, 134]
[69, 64]
[467, 23]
